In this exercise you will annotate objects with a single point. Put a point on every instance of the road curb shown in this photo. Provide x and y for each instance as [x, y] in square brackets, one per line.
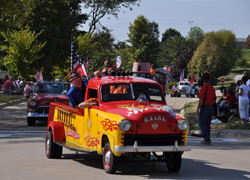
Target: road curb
[10, 103]
[215, 133]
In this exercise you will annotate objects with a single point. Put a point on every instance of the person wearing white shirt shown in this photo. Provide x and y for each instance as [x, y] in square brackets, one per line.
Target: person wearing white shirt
[243, 94]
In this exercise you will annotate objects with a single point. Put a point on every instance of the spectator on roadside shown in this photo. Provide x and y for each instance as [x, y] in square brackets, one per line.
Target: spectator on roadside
[6, 77]
[243, 94]
[14, 82]
[8, 86]
[32, 84]
[21, 84]
[18, 80]
[229, 100]
[28, 90]
[238, 84]
[205, 108]
[60, 79]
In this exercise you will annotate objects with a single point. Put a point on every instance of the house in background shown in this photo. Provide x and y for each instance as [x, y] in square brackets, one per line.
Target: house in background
[240, 42]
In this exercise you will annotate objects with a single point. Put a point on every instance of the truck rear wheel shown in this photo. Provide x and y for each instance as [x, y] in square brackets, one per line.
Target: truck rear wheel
[31, 121]
[173, 161]
[110, 161]
[52, 150]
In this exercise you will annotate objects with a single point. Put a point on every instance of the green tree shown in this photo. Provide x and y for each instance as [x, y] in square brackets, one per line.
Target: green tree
[195, 36]
[169, 35]
[247, 44]
[120, 45]
[144, 40]
[173, 43]
[216, 54]
[21, 52]
[100, 8]
[182, 62]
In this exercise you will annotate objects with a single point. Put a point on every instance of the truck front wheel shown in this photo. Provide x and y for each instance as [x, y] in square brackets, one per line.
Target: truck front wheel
[110, 161]
[173, 161]
[52, 150]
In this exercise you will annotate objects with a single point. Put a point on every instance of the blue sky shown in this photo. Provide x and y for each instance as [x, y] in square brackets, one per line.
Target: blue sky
[209, 15]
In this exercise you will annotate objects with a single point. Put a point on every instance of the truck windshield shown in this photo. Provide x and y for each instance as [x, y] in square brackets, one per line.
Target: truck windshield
[121, 92]
[51, 88]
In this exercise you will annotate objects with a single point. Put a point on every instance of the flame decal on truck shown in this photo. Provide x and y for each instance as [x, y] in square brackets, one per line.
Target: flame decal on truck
[91, 141]
[109, 125]
[141, 108]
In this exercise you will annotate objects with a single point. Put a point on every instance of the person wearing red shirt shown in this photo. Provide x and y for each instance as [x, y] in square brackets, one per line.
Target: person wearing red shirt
[205, 108]
[7, 86]
[230, 98]
[6, 77]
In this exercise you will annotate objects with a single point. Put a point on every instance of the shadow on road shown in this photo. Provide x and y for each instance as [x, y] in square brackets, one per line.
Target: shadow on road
[207, 170]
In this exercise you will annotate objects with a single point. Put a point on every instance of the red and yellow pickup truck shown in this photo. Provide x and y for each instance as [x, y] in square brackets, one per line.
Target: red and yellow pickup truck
[131, 118]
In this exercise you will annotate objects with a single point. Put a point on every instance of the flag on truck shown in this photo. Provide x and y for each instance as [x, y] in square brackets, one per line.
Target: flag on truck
[76, 63]
[192, 78]
[39, 76]
[182, 75]
[106, 62]
[118, 61]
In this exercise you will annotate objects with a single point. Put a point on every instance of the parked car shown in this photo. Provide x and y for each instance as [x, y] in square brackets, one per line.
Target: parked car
[43, 94]
[133, 123]
[184, 88]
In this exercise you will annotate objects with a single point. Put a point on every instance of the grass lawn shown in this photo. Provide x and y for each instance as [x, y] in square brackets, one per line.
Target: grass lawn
[6, 98]
[190, 114]
[229, 79]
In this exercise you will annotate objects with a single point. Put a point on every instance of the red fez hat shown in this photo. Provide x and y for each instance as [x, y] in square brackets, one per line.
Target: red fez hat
[206, 76]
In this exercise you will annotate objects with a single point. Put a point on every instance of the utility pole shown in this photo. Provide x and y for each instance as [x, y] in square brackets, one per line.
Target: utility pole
[190, 22]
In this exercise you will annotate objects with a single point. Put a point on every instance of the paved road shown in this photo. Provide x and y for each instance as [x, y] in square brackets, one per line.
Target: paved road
[22, 156]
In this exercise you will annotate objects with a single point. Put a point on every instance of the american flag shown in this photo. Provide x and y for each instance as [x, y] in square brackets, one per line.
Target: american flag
[39, 76]
[106, 62]
[118, 61]
[76, 63]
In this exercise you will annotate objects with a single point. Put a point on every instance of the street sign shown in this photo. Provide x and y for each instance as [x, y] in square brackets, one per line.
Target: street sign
[222, 80]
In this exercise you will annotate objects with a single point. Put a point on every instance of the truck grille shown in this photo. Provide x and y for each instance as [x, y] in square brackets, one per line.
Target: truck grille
[152, 139]
[41, 109]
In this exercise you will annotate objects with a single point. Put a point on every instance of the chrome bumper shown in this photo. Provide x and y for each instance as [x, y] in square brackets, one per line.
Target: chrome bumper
[35, 114]
[137, 148]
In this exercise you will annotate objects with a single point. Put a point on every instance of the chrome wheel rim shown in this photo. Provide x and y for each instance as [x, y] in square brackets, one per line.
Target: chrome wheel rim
[107, 158]
[47, 145]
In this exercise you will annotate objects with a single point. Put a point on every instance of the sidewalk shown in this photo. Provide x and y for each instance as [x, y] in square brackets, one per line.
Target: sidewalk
[223, 133]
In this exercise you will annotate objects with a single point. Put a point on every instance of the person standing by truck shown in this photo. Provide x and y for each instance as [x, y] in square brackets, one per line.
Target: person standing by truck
[205, 108]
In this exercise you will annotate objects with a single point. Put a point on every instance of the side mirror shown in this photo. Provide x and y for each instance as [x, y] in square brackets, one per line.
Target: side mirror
[164, 94]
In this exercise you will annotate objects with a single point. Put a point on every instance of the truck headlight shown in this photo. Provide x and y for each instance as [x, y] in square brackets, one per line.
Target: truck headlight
[182, 124]
[33, 103]
[124, 125]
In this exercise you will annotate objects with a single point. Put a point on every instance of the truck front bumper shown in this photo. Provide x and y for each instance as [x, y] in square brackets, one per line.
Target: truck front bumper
[136, 148]
[37, 115]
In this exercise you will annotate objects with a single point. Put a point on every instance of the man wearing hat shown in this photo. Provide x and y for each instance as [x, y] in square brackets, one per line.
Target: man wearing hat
[205, 108]
[76, 93]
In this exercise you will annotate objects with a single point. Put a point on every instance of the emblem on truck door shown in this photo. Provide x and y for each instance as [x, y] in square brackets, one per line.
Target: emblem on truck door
[154, 126]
